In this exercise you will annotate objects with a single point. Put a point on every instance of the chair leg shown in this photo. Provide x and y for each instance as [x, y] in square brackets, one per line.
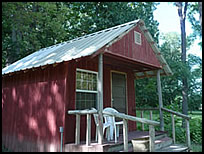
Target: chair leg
[115, 134]
[96, 138]
[117, 127]
[108, 136]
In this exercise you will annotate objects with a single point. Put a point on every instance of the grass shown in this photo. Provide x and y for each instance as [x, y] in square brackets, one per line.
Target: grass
[196, 148]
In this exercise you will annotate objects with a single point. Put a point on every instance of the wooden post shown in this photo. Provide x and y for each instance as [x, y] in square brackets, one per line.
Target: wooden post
[173, 129]
[77, 133]
[151, 138]
[88, 130]
[125, 135]
[142, 113]
[160, 101]
[188, 139]
[100, 98]
[150, 114]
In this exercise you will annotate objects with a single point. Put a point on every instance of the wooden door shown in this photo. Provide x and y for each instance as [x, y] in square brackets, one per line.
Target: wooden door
[119, 92]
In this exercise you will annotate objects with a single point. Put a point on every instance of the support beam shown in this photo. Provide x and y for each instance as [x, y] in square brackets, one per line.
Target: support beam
[160, 101]
[100, 98]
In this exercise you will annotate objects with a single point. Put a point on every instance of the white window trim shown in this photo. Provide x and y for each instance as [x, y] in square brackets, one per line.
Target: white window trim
[88, 91]
[88, 71]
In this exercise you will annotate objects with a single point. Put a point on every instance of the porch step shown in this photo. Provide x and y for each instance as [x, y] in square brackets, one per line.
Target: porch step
[162, 142]
[173, 148]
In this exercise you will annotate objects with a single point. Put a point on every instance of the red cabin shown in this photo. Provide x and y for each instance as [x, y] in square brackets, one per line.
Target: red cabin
[38, 90]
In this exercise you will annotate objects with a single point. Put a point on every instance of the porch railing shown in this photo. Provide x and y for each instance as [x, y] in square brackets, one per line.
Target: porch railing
[123, 116]
[78, 114]
[187, 118]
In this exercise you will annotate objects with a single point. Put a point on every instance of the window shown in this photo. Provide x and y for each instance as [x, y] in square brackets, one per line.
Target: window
[86, 89]
[137, 37]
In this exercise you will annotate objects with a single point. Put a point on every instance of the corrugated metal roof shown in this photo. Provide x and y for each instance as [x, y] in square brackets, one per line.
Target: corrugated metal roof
[76, 48]
[79, 47]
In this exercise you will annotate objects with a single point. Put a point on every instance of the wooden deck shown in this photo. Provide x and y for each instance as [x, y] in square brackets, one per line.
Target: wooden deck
[109, 146]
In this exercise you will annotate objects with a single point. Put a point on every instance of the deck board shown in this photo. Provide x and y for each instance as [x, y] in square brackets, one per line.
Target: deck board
[109, 144]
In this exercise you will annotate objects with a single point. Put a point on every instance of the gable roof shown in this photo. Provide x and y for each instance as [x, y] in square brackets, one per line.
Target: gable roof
[80, 47]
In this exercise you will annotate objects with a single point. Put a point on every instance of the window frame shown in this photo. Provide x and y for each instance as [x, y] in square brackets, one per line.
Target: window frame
[87, 91]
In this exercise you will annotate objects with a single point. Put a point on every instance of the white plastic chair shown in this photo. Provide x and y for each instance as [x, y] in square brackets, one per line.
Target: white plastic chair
[114, 125]
[105, 125]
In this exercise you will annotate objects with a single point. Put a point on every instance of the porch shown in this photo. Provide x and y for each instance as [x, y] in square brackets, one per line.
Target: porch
[155, 141]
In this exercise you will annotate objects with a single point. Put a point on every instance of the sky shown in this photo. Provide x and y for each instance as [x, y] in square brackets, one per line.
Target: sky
[167, 16]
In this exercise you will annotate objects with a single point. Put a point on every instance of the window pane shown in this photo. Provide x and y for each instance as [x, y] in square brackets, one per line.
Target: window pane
[78, 96]
[84, 86]
[78, 85]
[88, 100]
[95, 86]
[90, 86]
[90, 76]
[78, 75]
[94, 78]
[86, 76]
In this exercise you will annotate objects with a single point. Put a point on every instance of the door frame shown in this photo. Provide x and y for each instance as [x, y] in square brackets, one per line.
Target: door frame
[124, 73]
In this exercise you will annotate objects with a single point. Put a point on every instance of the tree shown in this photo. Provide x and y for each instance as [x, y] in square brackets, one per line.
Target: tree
[30, 26]
[172, 85]
[182, 15]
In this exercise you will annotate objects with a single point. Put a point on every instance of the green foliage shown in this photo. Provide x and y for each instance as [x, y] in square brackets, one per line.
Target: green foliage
[146, 92]
[193, 11]
[195, 126]
[196, 129]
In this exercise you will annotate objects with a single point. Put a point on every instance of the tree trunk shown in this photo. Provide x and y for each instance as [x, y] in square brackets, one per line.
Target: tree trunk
[182, 16]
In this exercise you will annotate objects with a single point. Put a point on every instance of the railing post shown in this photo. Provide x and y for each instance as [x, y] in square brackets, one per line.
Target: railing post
[77, 133]
[125, 135]
[150, 114]
[160, 101]
[173, 129]
[88, 130]
[61, 147]
[151, 138]
[188, 139]
[142, 113]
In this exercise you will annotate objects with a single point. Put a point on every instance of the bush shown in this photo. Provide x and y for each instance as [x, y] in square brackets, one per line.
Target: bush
[195, 126]
[196, 130]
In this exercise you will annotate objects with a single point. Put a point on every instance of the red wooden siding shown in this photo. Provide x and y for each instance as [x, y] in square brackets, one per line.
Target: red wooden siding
[33, 108]
[127, 47]
[35, 104]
